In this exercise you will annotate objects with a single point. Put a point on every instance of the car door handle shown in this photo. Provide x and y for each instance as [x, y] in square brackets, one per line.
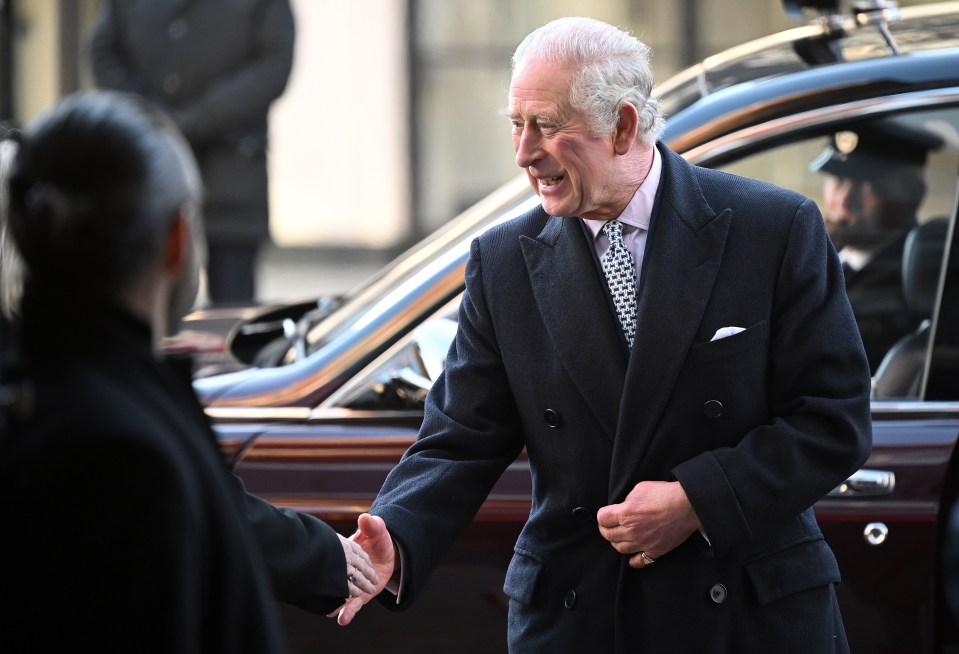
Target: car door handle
[865, 483]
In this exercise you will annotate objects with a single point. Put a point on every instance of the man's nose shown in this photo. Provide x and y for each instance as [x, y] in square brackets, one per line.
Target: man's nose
[843, 197]
[527, 148]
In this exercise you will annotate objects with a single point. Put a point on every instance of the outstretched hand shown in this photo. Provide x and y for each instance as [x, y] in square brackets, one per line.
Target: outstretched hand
[375, 540]
[654, 519]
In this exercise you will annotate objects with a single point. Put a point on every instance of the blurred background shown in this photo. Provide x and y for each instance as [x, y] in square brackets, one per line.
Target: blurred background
[389, 125]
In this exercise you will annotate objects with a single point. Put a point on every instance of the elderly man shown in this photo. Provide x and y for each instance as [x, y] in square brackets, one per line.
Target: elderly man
[674, 349]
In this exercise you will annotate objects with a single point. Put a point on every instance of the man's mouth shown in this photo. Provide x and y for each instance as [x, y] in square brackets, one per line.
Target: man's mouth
[550, 181]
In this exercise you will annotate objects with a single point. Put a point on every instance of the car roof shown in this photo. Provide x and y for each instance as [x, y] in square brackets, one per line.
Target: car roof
[821, 43]
[777, 74]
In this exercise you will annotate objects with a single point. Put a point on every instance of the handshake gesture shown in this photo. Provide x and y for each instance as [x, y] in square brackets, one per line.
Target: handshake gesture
[370, 563]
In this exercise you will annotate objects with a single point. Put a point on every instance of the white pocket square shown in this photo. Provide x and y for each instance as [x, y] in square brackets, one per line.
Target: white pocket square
[723, 332]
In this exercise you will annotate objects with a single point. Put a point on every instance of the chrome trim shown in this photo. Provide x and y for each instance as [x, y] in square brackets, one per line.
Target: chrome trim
[913, 406]
[305, 414]
[866, 483]
[221, 313]
[822, 117]
[258, 414]
[339, 414]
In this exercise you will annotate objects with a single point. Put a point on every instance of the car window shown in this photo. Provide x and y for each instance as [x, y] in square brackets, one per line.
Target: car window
[887, 191]
[400, 378]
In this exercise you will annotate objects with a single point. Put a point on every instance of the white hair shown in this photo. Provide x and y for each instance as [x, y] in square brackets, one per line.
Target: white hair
[613, 67]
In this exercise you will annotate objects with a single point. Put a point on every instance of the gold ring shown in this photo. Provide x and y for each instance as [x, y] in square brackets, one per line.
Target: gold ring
[647, 559]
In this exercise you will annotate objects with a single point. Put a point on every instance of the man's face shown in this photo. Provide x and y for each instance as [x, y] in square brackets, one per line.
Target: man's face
[572, 171]
[852, 211]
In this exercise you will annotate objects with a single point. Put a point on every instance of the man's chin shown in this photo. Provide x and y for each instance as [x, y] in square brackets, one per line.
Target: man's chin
[556, 209]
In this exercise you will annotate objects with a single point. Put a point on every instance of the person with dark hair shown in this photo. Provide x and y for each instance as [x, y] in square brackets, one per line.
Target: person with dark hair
[117, 502]
[215, 66]
[673, 349]
[873, 187]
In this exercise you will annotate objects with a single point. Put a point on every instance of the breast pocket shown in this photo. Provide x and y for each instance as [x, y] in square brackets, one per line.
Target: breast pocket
[729, 346]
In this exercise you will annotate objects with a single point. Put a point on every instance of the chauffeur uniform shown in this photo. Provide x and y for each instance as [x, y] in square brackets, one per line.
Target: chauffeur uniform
[756, 426]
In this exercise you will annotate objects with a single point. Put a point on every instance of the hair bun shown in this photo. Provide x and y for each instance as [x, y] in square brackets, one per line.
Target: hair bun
[48, 226]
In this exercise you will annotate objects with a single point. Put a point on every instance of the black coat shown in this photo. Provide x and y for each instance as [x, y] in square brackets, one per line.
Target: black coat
[122, 529]
[216, 66]
[756, 426]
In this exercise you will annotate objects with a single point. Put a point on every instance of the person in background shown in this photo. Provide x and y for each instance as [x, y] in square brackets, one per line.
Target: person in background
[673, 348]
[873, 187]
[215, 66]
[123, 528]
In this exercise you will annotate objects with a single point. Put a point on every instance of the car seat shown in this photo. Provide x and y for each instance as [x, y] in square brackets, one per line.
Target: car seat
[899, 375]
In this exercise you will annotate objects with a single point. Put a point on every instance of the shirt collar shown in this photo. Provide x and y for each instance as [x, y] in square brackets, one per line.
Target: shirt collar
[639, 212]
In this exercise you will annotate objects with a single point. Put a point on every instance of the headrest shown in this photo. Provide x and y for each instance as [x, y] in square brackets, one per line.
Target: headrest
[921, 265]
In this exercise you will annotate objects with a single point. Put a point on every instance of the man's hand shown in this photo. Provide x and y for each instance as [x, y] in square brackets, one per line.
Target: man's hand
[655, 518]
[360, 575]
[374, 539]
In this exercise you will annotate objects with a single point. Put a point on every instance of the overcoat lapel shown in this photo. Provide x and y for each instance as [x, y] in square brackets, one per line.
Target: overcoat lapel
[682, 262]
[570, 297]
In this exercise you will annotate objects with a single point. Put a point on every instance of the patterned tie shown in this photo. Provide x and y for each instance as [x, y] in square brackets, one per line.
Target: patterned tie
[621, 277]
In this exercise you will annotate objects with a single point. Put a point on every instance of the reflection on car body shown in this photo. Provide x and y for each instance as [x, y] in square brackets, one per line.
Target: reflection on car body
[317, 408]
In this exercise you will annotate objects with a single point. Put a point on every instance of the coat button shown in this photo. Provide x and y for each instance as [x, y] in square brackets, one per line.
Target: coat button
[570, 600]
[551, 418]
[582, 514]
[717, 593]
[713, 409]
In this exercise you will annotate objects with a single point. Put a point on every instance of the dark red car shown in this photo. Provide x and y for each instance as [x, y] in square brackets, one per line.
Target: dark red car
[319, 400]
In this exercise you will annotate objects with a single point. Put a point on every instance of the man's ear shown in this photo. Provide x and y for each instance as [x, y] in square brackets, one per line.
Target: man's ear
[624, 136]
[175, 253]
